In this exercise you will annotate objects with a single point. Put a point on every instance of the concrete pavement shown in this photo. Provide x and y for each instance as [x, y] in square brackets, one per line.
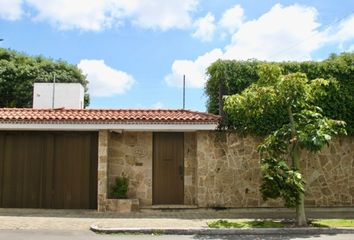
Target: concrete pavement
[192, 221]
[194, 218]
[88, 235]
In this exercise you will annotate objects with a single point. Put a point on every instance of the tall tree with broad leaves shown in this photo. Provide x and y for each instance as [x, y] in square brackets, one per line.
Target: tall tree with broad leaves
[19, 71]
[304, 128]
[337, 103]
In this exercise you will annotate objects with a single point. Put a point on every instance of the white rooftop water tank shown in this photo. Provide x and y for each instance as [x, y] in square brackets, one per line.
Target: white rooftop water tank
[66, 95]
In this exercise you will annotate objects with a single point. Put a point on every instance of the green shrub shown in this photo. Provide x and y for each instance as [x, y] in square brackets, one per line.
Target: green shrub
[337, 102]
[246, 224]
[120, 188]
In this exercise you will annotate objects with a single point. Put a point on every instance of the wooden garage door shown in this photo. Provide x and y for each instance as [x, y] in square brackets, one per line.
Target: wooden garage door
[48, 170]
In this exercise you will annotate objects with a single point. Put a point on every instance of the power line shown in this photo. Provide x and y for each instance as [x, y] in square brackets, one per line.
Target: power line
[313, 35]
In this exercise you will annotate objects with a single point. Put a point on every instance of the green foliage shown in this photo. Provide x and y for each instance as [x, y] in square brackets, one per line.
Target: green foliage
[19, 71]
[235, 76]
[280, 181]
[245, 224]
[335, 96]
[333, 222]
[313, 132]
[276, 143]
[258, 107]
[120, 188]
[279, 224]
[302, 126]
[316, 130]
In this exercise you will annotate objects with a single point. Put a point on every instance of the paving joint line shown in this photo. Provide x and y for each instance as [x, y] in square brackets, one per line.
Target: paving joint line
[215, 231]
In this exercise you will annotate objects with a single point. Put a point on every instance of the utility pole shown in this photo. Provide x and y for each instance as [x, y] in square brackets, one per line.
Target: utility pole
[184, 91]
[53, 96]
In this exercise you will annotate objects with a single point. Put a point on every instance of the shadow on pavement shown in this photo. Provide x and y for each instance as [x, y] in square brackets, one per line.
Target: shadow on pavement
[260, 213]
[176, 214]
[257, 237]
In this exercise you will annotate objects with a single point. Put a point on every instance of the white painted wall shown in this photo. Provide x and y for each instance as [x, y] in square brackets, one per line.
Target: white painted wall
[67, 95]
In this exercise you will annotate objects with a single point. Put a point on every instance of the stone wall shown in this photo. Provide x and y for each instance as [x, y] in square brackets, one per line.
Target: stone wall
[330, 174]
[190, 168]
[130, 155]
[102, 171]
[228, 173]
[221, 170]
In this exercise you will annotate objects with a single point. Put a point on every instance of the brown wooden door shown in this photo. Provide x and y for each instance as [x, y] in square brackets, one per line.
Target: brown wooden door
[73, 170]
[48, 170]
[22, 178]
[168, 168]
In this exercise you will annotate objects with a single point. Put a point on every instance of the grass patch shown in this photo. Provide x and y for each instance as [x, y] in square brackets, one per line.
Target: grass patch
[333, 223]
[245, 224]
[328, 223]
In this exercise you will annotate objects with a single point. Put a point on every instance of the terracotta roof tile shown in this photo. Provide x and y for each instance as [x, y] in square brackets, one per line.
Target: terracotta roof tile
[105, 115]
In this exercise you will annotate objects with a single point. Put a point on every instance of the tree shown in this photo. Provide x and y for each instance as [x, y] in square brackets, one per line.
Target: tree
[337, 103]
[304, 128]
[19, 71]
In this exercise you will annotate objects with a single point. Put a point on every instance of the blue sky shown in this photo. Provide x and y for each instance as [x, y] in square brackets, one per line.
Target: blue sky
[135, 52]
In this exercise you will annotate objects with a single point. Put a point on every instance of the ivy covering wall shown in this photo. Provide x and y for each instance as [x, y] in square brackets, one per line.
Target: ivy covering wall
[337, 102]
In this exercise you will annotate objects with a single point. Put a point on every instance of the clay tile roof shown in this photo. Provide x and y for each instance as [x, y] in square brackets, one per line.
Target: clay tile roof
[105, 115]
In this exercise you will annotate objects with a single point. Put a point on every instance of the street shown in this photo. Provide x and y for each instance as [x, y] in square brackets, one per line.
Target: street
[88, 235]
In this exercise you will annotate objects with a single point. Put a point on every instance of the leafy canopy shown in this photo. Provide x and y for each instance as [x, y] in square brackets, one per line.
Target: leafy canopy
[303, 126]
[19, 71]
[335, 95]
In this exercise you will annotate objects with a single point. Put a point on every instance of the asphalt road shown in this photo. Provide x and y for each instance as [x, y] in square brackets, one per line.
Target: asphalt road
[88, 235]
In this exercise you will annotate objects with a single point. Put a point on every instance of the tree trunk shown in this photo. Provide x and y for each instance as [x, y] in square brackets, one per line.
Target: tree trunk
[300, 207]
[295, 157]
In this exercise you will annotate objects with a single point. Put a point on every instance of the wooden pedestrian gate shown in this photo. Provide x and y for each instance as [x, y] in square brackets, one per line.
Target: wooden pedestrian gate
[168, 168]
[48, 170]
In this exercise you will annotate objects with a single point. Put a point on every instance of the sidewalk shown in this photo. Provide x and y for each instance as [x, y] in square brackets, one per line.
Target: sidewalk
[148, 221]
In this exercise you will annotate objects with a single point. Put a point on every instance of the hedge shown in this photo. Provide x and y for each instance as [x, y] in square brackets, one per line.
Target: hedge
[337, 103]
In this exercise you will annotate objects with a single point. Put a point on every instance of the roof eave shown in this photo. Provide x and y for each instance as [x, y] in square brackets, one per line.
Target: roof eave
[131, 126]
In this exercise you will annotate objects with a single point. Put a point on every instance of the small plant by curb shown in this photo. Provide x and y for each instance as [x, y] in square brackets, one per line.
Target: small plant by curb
[246, 224]
[316, 223]
[333, 223]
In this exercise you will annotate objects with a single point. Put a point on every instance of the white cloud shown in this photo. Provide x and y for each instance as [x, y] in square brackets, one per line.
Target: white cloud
[80, 14]
[95, 15]
[264, 38]
[232, 19]
[343, 32]
[194, 70]
[282, 27]
[346, 29]
[158, 105]
[10, 9]
[351, 48]
[205, 28]
[104, 80]
[159, 14]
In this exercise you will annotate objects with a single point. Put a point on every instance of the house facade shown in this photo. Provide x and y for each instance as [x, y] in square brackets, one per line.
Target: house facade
[65, 158]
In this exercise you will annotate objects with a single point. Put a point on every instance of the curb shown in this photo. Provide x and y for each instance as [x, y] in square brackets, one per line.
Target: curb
[216, 231]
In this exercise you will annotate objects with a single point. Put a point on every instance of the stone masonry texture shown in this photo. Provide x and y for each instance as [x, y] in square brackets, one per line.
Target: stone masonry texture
[228, 172]
[130, 155]
[102, 170]
[220, 170]
[190, 168]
